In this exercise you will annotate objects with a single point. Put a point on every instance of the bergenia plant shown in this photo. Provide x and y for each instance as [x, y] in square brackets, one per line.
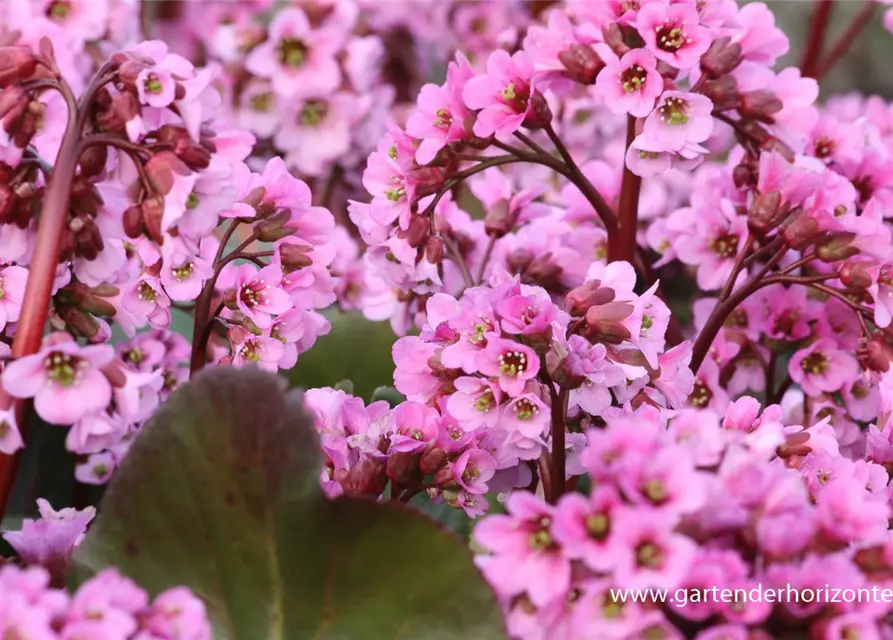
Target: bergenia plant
[638, 275]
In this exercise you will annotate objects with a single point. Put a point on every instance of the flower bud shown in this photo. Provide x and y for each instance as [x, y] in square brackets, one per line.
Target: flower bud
[443, 477]
[545, 273]
[614, 38]
[876, 354]
[540, 114]
[84, 199]
[589, 294]
[121, 109]
[499, 220]
[416, 235]
[434, 250]
[837, 246]
[153, 211]
[274, 227]
[855, 275]
[519, 260]
[801, 231]
[13, 104]
[760, 105]
[426, 180]
[432, 460]
[367, 478]
[7, 203]
[129, 71]
[79, 322]
[196, 156]
[294, 256]
[565, 374]
[721, 58]
[230, 301]
[402, 466]
[93, 160]
[603, 323]
[766, 213]
[133, 221]
[162, 170]
[722, 92]
[581, 63]
[16, 65]
[743, 176]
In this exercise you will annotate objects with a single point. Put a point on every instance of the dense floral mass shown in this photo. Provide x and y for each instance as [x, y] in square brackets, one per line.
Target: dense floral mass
[641, 279]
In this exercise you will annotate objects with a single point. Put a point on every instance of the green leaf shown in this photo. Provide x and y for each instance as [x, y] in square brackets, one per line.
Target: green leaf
[220, 492]
[356, 349]
[389, 394]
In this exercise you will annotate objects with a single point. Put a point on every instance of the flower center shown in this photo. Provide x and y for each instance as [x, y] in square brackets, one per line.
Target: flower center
[701, 395]
[192, 201]
[647, 323]
[674, 111]
[4, 428]
[292, 52]
[152, 84]
[525, 409]
[2, 293]
[824, 147]
[541, 538]
[633, 79]
[250, 351]
[610, 607]
[484, 401]
[170, 380]
[512, 364]
[64, 369]
[655, 491]
[252, 294]
[314, 112]
[146, 292]
[135, 355]
[598, 525]
[649, 556]
[725, 246]
[262, 102]
[516, 96]
[444, 119]
[648, 155]
[471, 473]
[58, 10]
[815, 363]
[100, 471]
[183, 272]
[671, 38]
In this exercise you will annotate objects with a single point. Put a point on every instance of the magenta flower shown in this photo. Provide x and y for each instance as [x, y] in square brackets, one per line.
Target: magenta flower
[630, 84]
[415, 425]
[510, 362]
[183, 273]
[298, 59]
[259, 293]
[475, 403]
[249, 349]
[525, 414]
[680, 120]
[156, 87]
[525, 556]
[65, 380]
[50, 541]
[672, 32]
[505, 97]
[649, 553]
[441, 114]
[473, 470]
[822, 367]
[12, 291]
[586, 527]
[177, 613]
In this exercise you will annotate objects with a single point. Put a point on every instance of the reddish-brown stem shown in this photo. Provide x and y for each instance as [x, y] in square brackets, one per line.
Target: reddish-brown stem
[558, 457]
[818, 26]
[738, 266]
[845, 41]
[623, 246]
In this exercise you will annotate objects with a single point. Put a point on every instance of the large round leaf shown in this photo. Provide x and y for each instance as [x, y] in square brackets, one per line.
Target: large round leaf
[220, 492]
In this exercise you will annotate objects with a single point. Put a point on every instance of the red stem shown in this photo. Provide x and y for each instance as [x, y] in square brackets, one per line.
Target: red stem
[821, 15]
[624, 245]
[846, 40]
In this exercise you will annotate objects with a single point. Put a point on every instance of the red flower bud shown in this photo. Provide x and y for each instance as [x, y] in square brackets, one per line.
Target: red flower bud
[613, 36]
[582, 64]
[589, 294]
[766, 213]
[153, 211]
[294, 256]
[16, 65]
[499, 220]
[760, 105]
[401, 467]
[274, 227]
[540, 114]
[721, 58]
[855, 275]
[434, 250]
[723, 92]
[801, 231]
[876, 354]
[133, 221]
[432, 460]
[416, 235]
[837, 246]
[7, 203]
[162, 169]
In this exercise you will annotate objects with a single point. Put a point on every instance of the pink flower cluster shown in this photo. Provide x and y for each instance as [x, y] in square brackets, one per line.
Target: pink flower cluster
[682, 500]
[106, 606]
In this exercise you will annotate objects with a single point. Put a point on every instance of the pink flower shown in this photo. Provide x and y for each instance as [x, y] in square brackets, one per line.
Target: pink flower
[473, 470]
[183, 273]
[177, 613]
[526, 414]
[262, 351]
[415, 426]
[10, 437]
[475, 403]
[510, 362]
[64, 379]
[156, 87]
[822, 367]
[50, 540]
[299, 60]
[680, 120]
[672, 32]
[630, 84]
[847, 512]
[12, 291]
[586, 527]
[649, 553]
[525, 556]
[505, 97]
[440, 115]
[259, 293]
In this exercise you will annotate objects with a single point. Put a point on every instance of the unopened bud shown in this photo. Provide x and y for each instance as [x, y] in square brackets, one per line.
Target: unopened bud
[499, 220]
[722, 92]
[545, 273]
[876, 354]
[743, 176]
[426, 180]
[540, 114]
[721, 58]
[13, 104]
[80, 322]
[434, 250]
[760, 105]
[153, 212]
[93, 160]
[801, 231]
[432, 460]
[368, 478]
[294, 256]
[402, 466]
[614, 38]
[603, 323]
[766, 213]
[855, 275]
[162, 170]
[581, 63]
[17, 64]
[121, 109]
[589, 294]
[7, 203]
[837, 246]
[274, 227]
[133, 221]
[416, 234]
